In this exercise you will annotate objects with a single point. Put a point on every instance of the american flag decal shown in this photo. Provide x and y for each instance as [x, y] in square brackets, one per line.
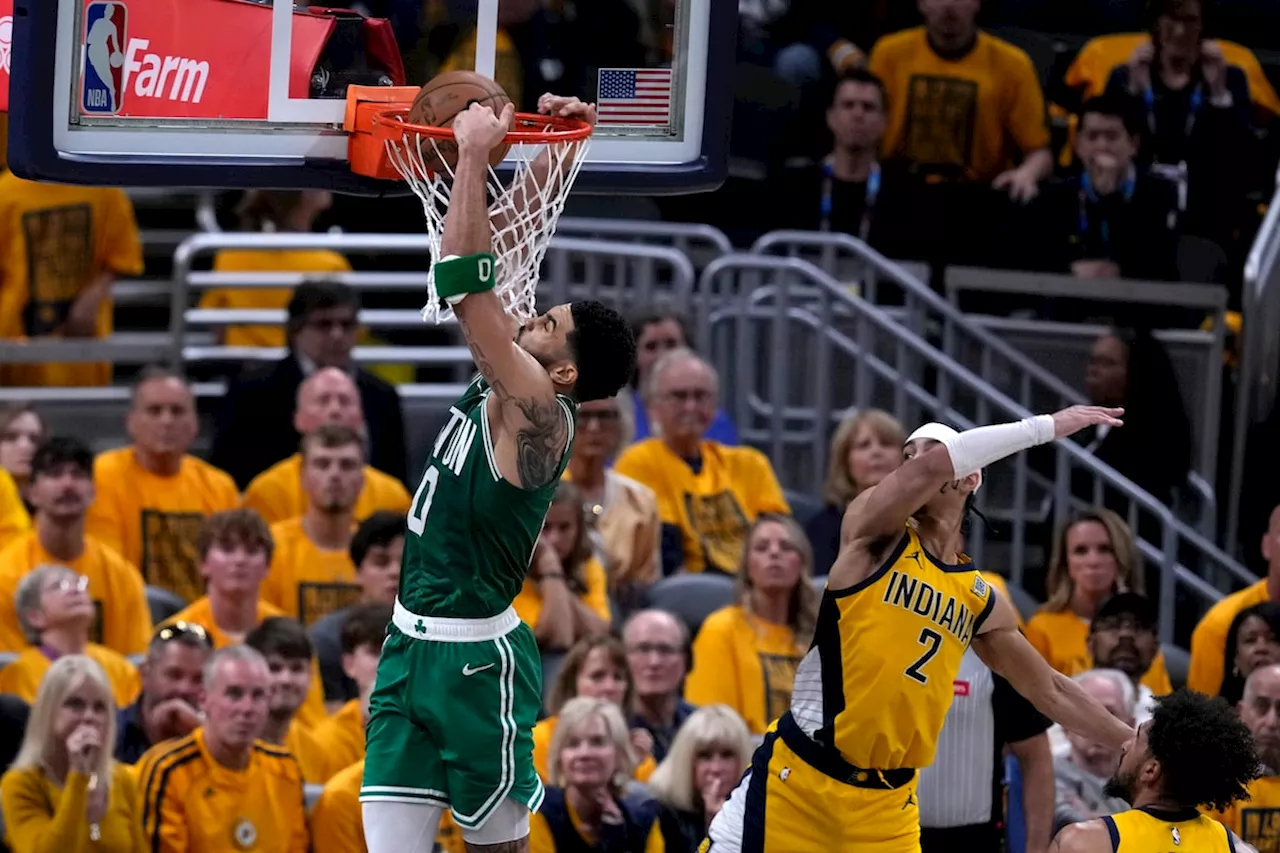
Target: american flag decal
[635, 96]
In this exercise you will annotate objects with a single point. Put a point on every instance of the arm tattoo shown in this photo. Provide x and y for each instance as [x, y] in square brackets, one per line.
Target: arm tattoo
[540, 444]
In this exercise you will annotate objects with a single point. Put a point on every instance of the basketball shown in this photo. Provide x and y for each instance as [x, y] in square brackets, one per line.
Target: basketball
[444, 97]
[117, 59]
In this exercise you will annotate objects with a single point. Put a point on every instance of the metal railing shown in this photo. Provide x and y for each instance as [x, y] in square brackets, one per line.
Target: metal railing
[701, 243]
[783, 328]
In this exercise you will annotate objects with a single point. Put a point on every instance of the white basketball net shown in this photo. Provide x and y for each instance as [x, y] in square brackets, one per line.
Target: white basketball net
[523, 215]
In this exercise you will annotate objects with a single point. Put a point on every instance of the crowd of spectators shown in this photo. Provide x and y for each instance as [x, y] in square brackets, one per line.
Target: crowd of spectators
[189, 645]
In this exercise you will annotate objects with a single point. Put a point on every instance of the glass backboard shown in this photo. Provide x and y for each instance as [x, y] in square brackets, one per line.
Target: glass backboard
[241, 93]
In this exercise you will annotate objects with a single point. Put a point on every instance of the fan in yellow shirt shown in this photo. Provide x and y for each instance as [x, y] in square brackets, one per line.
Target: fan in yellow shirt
[56, 613]
[220, 788]
[61, 490]
[708, 494]
[597, 669]
[271, 210]
[234, 548]
[1256, 819]
[312, 574]
[328, 396]
[745, 656]
[1209, 640]
[61, 247]
[13, 515]
[337, 821]
[963, 105]
[64, 793]
[565, 597]
[151, 496]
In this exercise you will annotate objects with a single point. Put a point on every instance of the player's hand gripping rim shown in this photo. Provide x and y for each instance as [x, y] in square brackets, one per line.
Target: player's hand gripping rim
[478, 130]
[558, 105]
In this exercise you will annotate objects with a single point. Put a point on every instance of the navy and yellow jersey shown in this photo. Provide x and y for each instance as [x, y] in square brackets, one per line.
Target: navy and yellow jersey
[1256, 819]
[192, 804]
[876, 684]
[1149, 830]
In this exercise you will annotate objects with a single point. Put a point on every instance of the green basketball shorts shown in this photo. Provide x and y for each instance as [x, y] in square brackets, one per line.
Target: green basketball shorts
[452, 713]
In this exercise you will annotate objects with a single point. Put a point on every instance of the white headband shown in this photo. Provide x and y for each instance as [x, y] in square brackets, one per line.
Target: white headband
[940, 433]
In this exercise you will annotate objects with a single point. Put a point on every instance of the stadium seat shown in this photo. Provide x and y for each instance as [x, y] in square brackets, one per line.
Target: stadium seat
[163, 604]
[1178, 662]
[311, 793]
[692, 597]
[7, 658]
[803, 507]
[1023, 601]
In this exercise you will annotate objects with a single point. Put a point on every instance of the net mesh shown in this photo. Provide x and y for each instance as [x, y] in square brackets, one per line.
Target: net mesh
[523, 214]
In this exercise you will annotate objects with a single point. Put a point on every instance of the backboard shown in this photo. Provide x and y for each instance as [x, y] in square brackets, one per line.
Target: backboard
[237, 93]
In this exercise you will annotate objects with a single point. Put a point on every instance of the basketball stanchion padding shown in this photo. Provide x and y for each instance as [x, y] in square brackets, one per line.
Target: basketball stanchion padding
[524, 211]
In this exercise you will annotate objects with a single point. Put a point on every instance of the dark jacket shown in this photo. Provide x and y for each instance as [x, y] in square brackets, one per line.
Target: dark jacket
[255, 426]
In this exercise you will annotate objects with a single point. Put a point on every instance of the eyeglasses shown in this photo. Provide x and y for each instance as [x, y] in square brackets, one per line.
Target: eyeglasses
[72, 583]
[178, 630]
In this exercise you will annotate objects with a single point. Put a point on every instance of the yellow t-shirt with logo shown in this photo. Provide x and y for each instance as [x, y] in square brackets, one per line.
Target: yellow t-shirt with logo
[712, 508]
[528, 603]
[277, 495]
[1062, 638]
[124, 619]
[14, 519]
[302, 578]
[22, 677]
[1209, 639]
[261, 260]
[152, 521]
[1257, 819]
[337, 821]
[746, 663]
[971, 117]
[54, 240]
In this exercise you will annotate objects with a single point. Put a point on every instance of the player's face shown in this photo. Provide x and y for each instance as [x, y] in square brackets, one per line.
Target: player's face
[1256, 645]
[655, 340]
[1133, 755]
[588, 758]
[328, 335]
[546, 338]
[18, 444]
[560, 529]
[856, 115]
[163, 417]
[684, 400]
[329, 397]
[775, 562]
[232, 568]
[599, 430]
[379, 573]
[655, 654]
[872, 457]
[333, 476]
[1091, 560]
[600, 678]
[290, 680]
[947, 501]
[85, 704]
[236, 702]
[62, 492]
[177, 672]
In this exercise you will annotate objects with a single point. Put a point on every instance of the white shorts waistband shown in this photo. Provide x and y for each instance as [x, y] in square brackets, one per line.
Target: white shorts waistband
[449, 630]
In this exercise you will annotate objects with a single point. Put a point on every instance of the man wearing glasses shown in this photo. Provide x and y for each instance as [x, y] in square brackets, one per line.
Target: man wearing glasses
[169, 705]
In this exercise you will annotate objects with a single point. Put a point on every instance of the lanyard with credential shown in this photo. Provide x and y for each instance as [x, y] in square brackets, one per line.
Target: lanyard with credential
[1087, 195]
[869, 203]
[1193, 110]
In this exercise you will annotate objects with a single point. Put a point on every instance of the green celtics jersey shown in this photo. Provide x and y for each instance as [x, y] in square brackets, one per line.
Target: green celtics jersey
[471, 533]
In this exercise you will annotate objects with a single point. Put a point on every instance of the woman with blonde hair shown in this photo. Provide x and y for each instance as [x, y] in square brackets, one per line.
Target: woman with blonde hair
[64, 792]
[596, 668]
[1094, 556]
[865, 448]
[707, 758]
[584, 808]
[745, 655]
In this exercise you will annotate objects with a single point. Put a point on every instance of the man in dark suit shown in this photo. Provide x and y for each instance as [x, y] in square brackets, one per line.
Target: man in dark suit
[255, 427]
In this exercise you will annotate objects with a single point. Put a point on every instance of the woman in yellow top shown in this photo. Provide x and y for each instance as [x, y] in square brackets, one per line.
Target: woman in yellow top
[597, 669]
[1094, 556]
[565, 597]
[1253, 641]
[745, 656]
[21, 432]
[591, 765]
[706, 760]
[65, 793]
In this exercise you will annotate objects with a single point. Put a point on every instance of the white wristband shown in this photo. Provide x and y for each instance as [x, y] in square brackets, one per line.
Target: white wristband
[975, 449]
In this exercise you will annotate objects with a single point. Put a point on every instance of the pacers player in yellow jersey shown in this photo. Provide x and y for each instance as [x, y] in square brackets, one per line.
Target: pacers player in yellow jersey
[838, 771]
[1194, 751]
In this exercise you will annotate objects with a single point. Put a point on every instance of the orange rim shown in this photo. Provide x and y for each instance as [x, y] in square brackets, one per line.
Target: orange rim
[529, 128]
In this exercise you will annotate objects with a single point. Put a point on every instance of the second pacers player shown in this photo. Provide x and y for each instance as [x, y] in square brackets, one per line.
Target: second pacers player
[838, 771]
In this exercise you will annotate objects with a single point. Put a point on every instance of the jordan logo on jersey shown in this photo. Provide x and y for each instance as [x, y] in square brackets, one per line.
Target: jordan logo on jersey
[1177, 839]
[455, 439]
[913, 594]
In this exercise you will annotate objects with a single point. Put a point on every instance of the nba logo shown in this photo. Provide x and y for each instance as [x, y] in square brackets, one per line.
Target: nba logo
[105, 38]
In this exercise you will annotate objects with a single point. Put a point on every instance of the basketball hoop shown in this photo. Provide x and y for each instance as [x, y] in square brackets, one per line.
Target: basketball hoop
[386, 145]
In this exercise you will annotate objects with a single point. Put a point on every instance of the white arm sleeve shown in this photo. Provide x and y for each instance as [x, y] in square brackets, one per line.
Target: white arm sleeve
[975, 449]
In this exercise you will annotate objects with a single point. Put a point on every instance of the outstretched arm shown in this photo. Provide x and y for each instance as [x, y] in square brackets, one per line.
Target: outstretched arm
[1090, 836]
[1003, 648]
[530, 414]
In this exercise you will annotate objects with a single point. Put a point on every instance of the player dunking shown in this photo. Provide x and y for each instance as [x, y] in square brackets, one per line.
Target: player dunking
[459, 682]
[838, 771]
[1193, 752]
